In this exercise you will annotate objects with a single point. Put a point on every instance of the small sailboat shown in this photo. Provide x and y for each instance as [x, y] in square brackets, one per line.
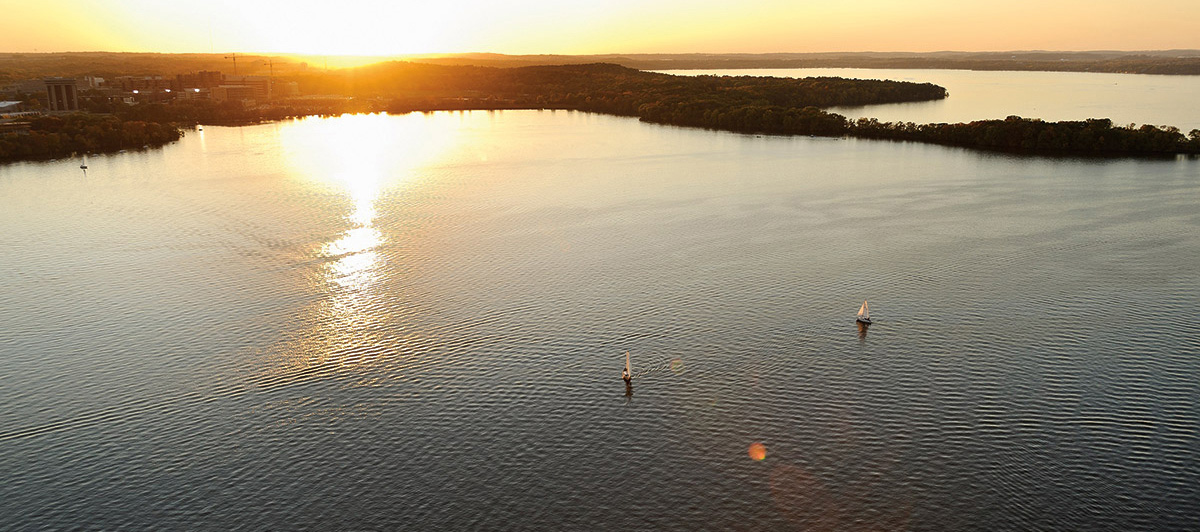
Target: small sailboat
[864, 314]
[627, 374]
[83, 165]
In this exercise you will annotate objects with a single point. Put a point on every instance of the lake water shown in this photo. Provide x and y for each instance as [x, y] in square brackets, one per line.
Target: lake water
[1051, 96]
[418, 322]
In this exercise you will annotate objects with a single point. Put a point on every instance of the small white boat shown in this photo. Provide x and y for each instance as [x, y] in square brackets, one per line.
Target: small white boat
[83, 165]
[864, 314]
[627, 374]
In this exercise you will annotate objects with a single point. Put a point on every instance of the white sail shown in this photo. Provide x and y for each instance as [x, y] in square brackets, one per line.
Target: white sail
[864, 312]
[628, 370]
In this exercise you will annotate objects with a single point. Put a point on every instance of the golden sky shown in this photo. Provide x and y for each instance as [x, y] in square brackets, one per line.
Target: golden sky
[373, 27]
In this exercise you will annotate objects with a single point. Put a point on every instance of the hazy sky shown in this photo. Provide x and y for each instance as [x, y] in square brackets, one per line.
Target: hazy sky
[371, 27]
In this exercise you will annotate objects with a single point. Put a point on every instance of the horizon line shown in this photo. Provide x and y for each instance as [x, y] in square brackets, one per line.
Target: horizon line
[436, 54]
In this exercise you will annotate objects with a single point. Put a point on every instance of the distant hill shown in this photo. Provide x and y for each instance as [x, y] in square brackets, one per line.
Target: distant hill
[18, 66]
[1172, 62]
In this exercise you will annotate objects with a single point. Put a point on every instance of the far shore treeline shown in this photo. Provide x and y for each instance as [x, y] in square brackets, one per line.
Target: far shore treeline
[748, 104]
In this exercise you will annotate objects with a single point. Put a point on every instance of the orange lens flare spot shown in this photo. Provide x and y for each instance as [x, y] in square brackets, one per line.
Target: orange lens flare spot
[757, 451]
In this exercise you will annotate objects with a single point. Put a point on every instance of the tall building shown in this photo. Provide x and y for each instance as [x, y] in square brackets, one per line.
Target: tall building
[204, 79]
[237, 93]
[62, 93]
[139, 83]
[260, 84]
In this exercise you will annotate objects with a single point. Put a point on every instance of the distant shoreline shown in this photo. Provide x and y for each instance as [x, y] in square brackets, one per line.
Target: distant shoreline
[1168, 62]
[1028, 133]
[15, 66]
[741, 104]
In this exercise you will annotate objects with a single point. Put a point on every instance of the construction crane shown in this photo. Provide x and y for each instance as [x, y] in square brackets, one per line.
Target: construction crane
[271, 79]
[234, 58]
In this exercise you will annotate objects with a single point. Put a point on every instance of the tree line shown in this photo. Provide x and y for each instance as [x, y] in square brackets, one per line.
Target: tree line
[1016, 134]
[63, 135]
[755, 104]
[611, 88]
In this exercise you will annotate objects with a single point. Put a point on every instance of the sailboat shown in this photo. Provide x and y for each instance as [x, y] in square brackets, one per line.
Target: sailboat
[83, 165]
[864, 314]
[627, 375]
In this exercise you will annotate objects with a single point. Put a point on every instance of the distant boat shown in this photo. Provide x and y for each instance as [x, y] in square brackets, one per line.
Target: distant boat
[83, 165]
[864, 314]
[627, 375]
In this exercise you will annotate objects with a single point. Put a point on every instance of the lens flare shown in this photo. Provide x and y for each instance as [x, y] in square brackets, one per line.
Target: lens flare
[677, 366]
[757, 451]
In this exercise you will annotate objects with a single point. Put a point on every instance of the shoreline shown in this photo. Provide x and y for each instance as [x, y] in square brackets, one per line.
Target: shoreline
[1047, 153]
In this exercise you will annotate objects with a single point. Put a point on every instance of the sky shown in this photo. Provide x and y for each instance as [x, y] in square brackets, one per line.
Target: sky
[373, 27]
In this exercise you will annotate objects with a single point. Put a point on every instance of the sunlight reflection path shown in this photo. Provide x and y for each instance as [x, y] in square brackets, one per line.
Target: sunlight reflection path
[359, 159]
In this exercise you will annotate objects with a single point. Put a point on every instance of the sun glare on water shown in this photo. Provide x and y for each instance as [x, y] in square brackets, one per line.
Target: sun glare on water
[364, 158]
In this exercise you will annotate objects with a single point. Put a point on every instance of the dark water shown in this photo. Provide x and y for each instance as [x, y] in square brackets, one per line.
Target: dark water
[418, 322]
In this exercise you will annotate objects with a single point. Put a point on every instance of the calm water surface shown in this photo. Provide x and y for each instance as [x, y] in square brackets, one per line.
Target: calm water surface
[1052, 96]
[417, 322]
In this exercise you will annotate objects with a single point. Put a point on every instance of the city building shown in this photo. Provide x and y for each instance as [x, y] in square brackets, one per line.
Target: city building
[194, 93]
[26, 86]
[285, 89]
[12, 107]
[236, 93]
[62, 94]
[142, 84]
[260, 84]
[10, 111]
[12, 126]
[205, 79]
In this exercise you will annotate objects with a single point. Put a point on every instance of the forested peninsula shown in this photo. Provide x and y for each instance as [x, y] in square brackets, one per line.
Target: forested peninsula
[747, 104]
